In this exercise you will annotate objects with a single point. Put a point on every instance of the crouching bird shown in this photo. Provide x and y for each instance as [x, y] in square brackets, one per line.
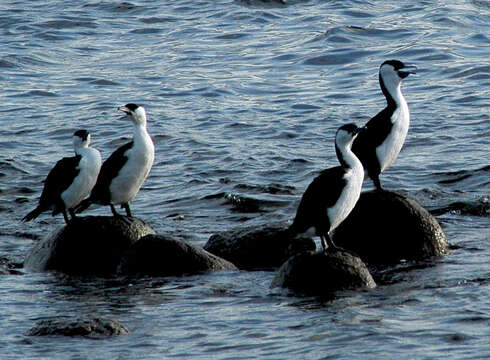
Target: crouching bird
[332, 195]
[70, 180]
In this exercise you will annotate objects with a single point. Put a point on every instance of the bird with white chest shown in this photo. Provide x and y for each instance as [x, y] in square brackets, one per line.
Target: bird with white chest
[70, 180]
[380, 143]
[332, 195]
[124, 172]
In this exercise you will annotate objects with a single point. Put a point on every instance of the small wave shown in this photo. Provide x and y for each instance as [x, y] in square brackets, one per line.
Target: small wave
[268, 189]
[39, 93]
[457, 176]
[104, 82]
[26, 61]
[342, 57]
[350, 33]
[480, 207]
[305, 107]
[115, 7]
[232, 36]
[472, 71]
[67, 24]
[263, 2]
[6, 64]
[9, 167]
[144, 31]
[481, 4]
[158, 20]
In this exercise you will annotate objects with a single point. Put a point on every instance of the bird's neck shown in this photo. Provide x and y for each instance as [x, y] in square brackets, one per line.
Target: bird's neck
[140, 133]
[80, 150]
[347, 159]
[391, 89]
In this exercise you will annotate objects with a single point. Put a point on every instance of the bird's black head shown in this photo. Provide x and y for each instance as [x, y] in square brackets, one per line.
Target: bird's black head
[345, 135]
[129, 108]
[82, 134]
[400, 68]
[397, 64]
[351, 129]
[343, 140]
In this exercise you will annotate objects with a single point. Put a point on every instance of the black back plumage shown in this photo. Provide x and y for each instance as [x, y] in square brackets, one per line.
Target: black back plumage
[109, 170]
[322, 193]
[375, 132]
[58, 180]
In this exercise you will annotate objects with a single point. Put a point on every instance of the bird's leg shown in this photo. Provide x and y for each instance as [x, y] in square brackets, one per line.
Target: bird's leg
[328, 242]
[119, 216]
[324, 242]
[128, 210]
[113, 209]
[377, 183]
[65, 215]
[72, 213]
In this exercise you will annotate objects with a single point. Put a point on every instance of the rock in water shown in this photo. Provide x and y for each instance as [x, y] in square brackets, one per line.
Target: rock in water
[263, 247]
[9, 267]
[91, 328]
[385, 228]
[91, 245]
[159, 255]
[323, 273]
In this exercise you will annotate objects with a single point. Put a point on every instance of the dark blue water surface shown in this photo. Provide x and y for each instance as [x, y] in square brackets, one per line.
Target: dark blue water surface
[243, 99]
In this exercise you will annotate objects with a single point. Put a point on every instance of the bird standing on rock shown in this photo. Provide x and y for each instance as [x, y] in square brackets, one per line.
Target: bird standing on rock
[70, 180]
[333, 194]
[123, 173]
[380, 143]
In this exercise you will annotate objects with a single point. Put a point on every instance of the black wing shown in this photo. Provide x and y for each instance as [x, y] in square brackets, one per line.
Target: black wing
[58, 180]
[321, 194]
[373, 135]
[109, 170]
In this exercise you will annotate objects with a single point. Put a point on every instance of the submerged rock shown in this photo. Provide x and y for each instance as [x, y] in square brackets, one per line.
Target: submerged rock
[263, 247]
[160, 255]
[9, 266]
[91, 328]
[479, 207]
[386, 227]
[323, 273]
[91, 245]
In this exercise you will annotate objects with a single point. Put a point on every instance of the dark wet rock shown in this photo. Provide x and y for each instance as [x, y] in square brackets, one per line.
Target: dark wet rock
[262, 247]
[323, 273]
[386, 227]
[244, 204]
[160, 255]
[91, 328]
[91, 245]
[9, 266]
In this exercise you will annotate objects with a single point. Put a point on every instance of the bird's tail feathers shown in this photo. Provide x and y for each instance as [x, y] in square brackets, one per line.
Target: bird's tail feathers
[299, 230]
[82, 206]
[293, 230]
[33, 214]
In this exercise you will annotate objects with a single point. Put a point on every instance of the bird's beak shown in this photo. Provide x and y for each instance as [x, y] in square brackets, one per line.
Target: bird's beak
[124, 109]
[407, 70]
